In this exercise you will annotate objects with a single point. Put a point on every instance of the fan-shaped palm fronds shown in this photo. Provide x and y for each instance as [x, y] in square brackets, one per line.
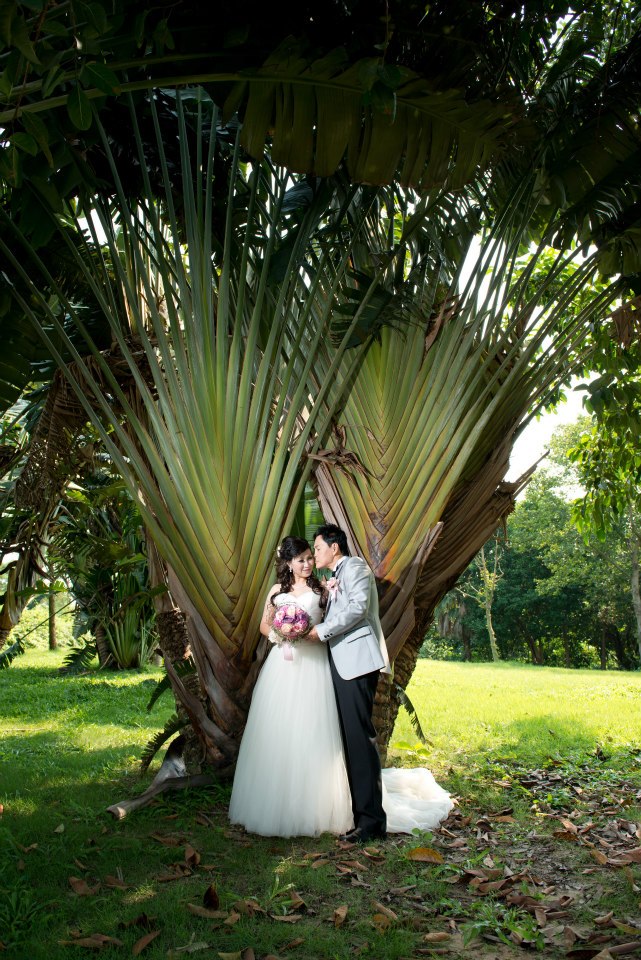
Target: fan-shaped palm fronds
[220, 344]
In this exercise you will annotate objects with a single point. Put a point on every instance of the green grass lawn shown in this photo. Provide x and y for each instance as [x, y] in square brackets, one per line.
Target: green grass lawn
[524, 750]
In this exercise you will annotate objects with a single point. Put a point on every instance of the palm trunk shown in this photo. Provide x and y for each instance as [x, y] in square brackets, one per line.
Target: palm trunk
[102, 645]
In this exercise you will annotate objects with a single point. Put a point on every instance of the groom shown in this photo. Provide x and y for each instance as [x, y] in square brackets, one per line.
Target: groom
[358, 654]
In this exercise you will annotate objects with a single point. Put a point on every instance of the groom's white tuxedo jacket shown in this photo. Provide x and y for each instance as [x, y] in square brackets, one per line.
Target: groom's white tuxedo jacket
[352, 627]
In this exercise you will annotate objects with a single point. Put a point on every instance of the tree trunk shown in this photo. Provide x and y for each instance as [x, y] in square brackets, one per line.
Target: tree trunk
[634, 579]
[536, 650]
[603, 650]
[616, 642]
[174, 628]
[490, 630]
[102, 645]
[53, 639]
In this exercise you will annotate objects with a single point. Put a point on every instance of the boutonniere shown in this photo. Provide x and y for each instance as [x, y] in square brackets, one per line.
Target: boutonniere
[333, 587]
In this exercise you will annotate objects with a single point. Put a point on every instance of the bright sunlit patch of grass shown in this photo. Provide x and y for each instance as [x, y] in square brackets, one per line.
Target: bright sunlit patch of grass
[475, 710]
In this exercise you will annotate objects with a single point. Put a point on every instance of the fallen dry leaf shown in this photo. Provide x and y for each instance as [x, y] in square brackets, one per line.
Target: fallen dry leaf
[180, 871]
[248, 908]
[605, 920]
[385, 910]
[425, 855]
[381, 922]
[630, 856]
[211, 898]
[167, 842]
[82, 888]
[206, 912]
[295, 901]
[437, 937]
[293, 943]
[598, 855]
[626, 928]
[95, 942]
[192, 857]
[140, 945]
[339, 916]
[115, 882]
[352, 864]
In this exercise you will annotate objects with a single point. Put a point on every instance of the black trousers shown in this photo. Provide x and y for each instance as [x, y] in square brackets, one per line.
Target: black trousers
[355, 700]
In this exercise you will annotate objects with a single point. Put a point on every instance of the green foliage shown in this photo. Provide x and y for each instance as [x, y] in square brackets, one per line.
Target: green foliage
[98, 542]
[564, 598]
[9, 654]
[172, 726]
[510, 925]
[19, 911]
[80, 657]
[185, 668]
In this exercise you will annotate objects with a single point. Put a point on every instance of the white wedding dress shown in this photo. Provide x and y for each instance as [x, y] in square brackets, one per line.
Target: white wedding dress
[290, 776]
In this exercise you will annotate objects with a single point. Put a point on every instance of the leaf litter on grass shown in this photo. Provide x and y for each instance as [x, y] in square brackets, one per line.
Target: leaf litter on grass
[505, 855]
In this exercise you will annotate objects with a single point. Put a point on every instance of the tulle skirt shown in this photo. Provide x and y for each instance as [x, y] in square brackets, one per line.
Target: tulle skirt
[290, 777]
[413, 800]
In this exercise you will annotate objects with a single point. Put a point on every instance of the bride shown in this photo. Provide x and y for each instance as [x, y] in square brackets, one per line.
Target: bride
[290, 776]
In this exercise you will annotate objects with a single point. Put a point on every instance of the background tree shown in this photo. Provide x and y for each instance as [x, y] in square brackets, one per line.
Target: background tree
[484, 591]
[563, 599]
[608, 462]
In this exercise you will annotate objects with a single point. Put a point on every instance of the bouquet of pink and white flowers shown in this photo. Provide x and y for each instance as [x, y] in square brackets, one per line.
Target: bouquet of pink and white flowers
[291, 622]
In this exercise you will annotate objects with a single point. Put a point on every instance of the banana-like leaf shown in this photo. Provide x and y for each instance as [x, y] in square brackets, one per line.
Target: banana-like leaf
[315, 113]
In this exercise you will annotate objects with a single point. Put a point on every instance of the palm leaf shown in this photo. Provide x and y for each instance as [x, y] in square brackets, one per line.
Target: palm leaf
[211, 426]
[317, 112]
[172, 725]
[9, 654]
[183, 669]
[413, 715]
[79, 658]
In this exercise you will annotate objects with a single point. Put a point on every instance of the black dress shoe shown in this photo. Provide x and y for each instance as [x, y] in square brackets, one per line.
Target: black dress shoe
[363, 835]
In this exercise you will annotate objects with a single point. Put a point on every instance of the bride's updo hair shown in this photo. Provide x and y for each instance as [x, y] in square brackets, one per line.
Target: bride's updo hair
[290, 548]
